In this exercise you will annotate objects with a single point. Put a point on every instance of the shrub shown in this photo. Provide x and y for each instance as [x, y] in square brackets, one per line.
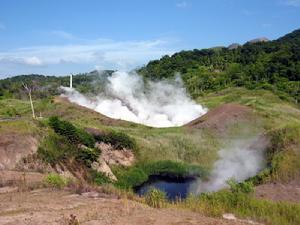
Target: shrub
[130, 178]
[156, 198]
[99, 178]
[243, 187]
[119, 140]
[54, 148]
[87, 155]
[72, 133]
[54, 180]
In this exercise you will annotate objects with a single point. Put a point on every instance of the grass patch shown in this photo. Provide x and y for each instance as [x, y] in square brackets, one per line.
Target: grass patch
[156, 198]
[54, 180]
[244, 206]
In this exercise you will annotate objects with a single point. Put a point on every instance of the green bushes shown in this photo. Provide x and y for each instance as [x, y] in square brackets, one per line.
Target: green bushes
[156, 198]
[54, 148]
[72, 133]
[243, 187]
[54, 180]
[130, 177]
[119, 140]
[283, 156]
[98, 177]
[68, 141]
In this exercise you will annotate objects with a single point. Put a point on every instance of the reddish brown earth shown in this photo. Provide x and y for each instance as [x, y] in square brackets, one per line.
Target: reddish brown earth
[221, 117]
[46, 207]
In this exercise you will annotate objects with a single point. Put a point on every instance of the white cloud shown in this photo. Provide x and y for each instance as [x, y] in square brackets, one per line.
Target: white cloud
[33, 61]
[15, 60]
[294, 3]
[100, 53]
[182, 4]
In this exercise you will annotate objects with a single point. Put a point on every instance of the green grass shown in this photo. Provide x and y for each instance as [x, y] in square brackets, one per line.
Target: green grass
[244, 206]
[54, 180]
[156, 198]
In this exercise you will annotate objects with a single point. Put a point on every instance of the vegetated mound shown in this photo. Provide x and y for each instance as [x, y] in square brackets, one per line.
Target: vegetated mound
[222, 117]
[13, 147]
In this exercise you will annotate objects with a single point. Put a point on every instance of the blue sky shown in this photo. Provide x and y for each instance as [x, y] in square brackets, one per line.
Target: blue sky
[57, 37]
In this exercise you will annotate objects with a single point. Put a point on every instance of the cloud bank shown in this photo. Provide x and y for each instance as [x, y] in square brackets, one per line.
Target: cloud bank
[128, 97]
[86, 54]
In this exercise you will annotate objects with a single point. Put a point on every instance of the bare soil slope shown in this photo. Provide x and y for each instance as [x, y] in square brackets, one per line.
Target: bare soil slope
[13, 147]
[222, 116]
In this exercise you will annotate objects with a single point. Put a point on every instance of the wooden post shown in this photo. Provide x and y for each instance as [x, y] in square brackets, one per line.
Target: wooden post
[30, 99]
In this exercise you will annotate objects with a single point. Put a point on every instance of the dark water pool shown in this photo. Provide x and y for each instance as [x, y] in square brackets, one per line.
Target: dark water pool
[174, 187]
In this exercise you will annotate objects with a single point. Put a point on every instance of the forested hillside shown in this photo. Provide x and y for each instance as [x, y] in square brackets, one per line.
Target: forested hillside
[272, 65]
[45, 86]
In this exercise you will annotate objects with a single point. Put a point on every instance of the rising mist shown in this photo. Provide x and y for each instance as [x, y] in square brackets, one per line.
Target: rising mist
[127, 96]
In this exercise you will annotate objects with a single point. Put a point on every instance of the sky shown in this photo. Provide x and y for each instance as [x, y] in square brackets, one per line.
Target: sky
[58, 37]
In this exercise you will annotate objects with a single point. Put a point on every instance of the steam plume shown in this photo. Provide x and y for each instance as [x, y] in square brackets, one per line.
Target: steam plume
[240, 160]
[128, 97]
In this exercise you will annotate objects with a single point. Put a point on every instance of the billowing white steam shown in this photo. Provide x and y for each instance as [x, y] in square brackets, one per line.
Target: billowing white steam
[240, 160]
[156, 104]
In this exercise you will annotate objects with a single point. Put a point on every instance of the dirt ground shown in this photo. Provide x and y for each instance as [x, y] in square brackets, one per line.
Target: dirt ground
[280, 192]
[13, 147]
[221, 117]
[44, 206]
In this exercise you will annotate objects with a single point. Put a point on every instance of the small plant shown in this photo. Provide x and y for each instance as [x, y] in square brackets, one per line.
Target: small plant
[87, 155]
[243, 187]
[54, 180]
[156, 198]
[99, 178]
[73, 220]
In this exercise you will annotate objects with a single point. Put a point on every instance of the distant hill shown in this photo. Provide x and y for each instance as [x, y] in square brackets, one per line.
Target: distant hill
[45, 86]
[258, 64]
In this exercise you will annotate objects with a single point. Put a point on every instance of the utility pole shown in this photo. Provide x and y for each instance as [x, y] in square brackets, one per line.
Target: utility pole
[71, 80]
[30, 99]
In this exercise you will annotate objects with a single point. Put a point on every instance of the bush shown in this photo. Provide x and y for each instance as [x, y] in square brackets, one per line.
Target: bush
[54, 148]
[119, 140]
[99, 178]
[54, 180]
[87, 155]
[72, 133]
[156, 198]
[130, 178]
[243, 187]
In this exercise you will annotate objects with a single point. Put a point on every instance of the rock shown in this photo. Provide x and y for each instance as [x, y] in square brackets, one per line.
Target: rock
[111, 156]
[102, 167]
